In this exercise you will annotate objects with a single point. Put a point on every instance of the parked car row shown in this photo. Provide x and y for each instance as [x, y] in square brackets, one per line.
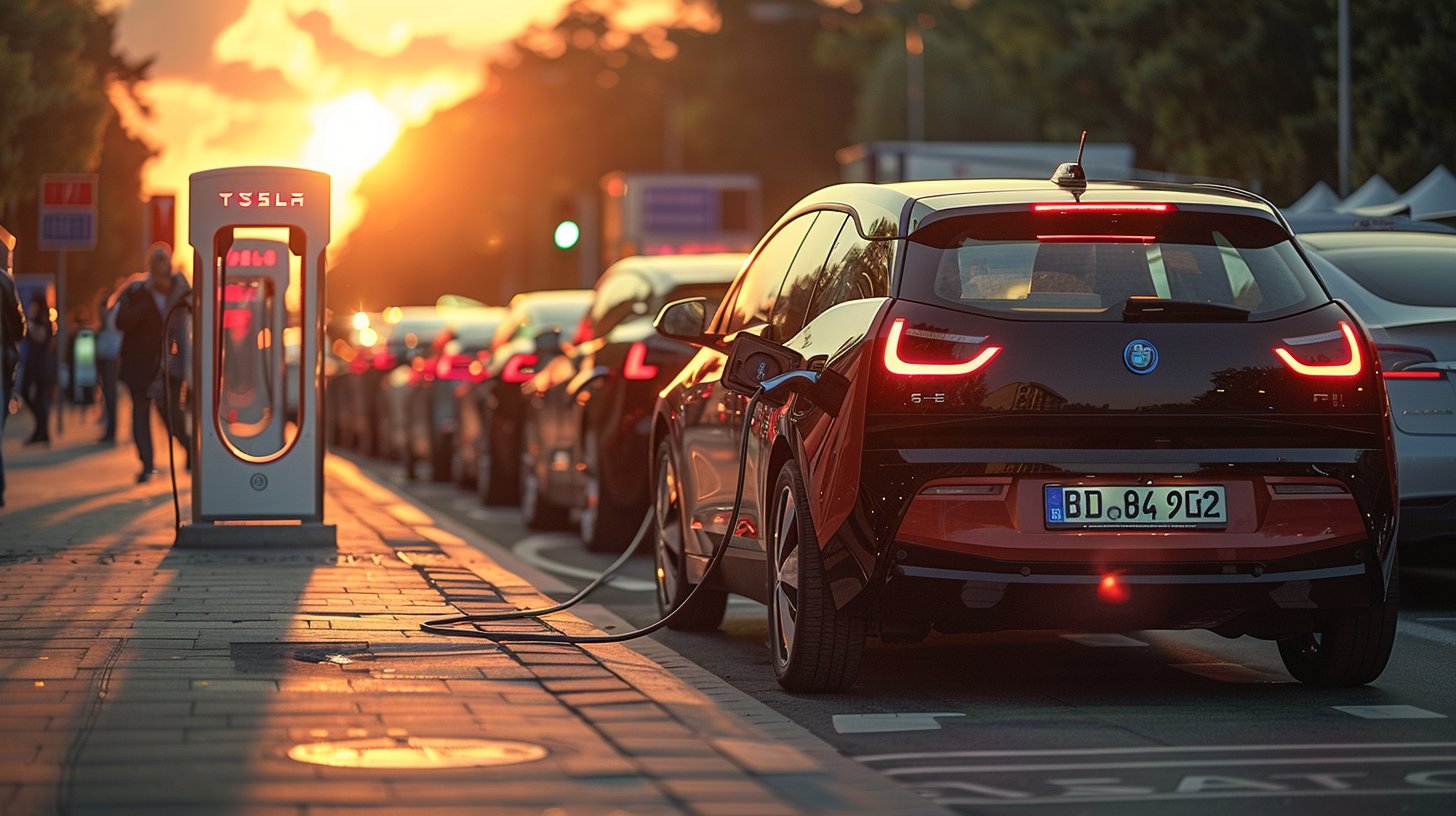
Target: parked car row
[1018, 404]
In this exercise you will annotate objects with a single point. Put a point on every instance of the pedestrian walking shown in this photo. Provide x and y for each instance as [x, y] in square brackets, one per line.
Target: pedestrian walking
[38, 372]
[12, 331]
[149, 315]
[108, 360]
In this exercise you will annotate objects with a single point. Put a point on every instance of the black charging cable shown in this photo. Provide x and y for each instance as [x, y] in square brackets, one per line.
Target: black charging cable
[172, 418]
[442, 627]
[438, 626]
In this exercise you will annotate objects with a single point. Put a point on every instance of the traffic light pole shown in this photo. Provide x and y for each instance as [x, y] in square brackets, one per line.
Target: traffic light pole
[60, 393]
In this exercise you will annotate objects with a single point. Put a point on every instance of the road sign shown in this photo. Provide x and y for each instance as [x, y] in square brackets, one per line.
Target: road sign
[162, 221]
[67, 211]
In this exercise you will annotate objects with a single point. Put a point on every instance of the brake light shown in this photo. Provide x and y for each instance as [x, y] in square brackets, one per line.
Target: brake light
[454, 367]
[385, 361]
[895, 363]
[1349, 368]
[1099, 239]
[637, 367]
[1107, 207]
[519, 368]
[583, 331]
[1399, 363]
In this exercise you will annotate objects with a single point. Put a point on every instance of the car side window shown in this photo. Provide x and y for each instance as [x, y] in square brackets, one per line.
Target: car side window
[805, 274]
[758, 286]
[857, 268]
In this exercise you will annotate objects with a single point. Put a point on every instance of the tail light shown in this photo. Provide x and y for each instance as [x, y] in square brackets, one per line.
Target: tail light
[384, 361]
[583, 331]
[636, 367]
[1333, 354]
[478, 370]
[454, 367]
[1403, 363]
[520, 368]
[947, 366]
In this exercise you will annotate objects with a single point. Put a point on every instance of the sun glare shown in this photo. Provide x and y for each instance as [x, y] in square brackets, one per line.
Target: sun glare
[351, 133]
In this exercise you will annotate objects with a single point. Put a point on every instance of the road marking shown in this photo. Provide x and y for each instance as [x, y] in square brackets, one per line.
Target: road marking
[1158, 763]
[532, 548]
[1435, 634]
[887, 723]
[1156, 749]
[1390, 712]
[1104, 640]
[1231, 673]
[1179, 797]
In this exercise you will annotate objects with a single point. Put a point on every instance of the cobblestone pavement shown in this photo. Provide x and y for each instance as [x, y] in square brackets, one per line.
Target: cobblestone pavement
[135, 678]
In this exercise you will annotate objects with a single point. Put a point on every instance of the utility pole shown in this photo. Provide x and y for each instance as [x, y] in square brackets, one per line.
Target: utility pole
[1344, 114]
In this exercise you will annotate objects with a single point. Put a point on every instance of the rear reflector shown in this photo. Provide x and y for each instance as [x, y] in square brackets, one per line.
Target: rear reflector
[1107, 207]
[896, 364]
[1308, 489]
[636, 367]
[962, 490]
[1426, 374]
[1350, 368]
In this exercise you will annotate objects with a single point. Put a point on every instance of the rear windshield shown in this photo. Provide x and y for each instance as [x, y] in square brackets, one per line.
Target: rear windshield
[1076, 266]
[1415, 276]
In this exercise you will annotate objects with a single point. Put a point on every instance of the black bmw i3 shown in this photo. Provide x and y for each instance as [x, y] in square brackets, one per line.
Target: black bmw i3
[1060, 404]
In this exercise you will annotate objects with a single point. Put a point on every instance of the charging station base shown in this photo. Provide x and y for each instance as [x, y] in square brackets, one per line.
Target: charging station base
[212, 536]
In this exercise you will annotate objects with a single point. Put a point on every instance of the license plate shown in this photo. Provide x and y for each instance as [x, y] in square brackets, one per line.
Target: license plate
[1132, 507]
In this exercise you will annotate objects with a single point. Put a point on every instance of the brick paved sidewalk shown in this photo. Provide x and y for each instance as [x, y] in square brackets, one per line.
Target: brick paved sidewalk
[138, 679]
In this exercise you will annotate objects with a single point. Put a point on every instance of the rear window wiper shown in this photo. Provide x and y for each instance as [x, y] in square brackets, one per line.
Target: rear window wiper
[1159, 310]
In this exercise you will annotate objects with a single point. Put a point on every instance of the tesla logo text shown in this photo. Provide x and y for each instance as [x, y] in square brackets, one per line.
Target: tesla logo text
[918, 398]
[261, 199]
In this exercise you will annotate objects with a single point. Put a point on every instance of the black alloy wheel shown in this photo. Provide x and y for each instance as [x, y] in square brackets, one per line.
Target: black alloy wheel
[604, 523]
[701, 611]
[816, 648]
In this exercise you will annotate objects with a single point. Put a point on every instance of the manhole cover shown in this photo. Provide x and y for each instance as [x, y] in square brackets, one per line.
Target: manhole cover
[416, 752]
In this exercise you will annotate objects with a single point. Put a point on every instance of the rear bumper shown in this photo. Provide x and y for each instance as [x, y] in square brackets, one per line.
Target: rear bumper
[1282, 555]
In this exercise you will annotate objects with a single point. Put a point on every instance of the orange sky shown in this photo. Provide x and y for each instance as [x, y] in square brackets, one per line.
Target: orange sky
[324, 84]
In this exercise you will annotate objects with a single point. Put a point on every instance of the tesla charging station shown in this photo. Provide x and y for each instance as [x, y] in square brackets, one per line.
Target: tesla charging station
[258, 237]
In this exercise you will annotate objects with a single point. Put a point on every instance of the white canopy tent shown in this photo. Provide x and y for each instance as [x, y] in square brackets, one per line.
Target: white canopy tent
[1320, 197]
[1375, 190]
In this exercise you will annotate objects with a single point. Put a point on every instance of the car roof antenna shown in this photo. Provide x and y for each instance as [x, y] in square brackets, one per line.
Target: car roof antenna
[1071, 174]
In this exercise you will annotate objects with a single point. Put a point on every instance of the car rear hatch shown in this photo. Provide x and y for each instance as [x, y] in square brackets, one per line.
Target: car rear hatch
[1157, 358]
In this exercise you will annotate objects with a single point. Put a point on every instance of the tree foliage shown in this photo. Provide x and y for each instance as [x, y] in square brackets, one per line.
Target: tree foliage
[58, 67]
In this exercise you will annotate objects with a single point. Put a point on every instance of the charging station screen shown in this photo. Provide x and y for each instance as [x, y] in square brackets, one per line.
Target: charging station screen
[251, 366]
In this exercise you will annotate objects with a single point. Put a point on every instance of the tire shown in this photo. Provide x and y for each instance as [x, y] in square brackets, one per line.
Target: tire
[605, 524]
[701, 611]
[496, 481]
[537, 511]
[1351, 649]
[816, 648]
[442, 456]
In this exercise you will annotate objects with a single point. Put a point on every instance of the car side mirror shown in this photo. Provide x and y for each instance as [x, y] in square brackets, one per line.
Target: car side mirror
[685, 321]
[549, 342]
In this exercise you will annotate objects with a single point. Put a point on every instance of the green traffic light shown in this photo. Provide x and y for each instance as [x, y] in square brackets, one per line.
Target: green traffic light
[567, 234]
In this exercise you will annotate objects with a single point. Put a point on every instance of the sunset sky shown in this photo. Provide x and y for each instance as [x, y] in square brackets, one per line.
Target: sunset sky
[324, 84]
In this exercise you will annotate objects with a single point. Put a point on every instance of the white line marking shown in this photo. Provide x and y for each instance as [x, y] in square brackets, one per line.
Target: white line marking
[1104, 640]
[531, 549]
[1175, 797]
[1161, 763]
[1435, 634]
[1158, 749]
[886, 723]
[1230, 673]
[1390, 712]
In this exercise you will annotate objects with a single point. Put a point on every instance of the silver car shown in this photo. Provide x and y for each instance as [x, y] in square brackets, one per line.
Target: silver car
[1403, 286]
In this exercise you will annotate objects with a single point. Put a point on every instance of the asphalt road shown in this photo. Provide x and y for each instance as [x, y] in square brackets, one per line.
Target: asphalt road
[1068, 723]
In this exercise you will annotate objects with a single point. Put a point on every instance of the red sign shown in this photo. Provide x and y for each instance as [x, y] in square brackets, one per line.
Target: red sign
[162, 221]
[69, 191]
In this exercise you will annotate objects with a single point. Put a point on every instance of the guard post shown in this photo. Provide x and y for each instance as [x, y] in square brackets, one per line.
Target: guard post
[257, 471]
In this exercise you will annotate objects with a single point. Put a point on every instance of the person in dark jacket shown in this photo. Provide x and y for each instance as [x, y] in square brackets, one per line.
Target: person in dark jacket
[38, 374]
[12, 331]
[141, 312]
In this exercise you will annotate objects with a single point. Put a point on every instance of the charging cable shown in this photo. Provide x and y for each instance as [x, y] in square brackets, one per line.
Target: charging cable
[440, 626]
[443, 625]
[172, 418]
